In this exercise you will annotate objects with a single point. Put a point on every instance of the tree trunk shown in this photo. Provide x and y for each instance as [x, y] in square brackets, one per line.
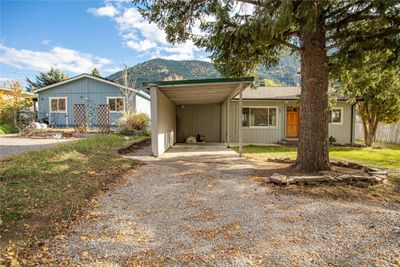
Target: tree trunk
[15, 121]
[369, 123]
[312, 153]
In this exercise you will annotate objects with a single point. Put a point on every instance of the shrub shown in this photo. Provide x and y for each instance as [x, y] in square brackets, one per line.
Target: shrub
[332, 140]
[133, 123]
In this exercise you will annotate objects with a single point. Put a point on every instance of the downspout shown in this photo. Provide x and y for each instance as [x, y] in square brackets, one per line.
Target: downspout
[352, 123]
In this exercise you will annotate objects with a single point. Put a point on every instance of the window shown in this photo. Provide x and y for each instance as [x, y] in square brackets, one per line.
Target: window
[335, 116]
[58, 104]
[116, 104]
[259, 117]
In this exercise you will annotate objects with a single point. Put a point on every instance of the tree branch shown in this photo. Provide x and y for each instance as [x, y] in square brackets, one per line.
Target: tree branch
[292, 46]
[252, 2]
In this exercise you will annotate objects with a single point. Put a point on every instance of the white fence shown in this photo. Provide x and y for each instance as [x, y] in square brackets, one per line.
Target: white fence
[387, 133]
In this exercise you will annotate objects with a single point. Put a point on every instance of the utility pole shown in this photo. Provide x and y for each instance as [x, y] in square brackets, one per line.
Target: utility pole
[126, 75]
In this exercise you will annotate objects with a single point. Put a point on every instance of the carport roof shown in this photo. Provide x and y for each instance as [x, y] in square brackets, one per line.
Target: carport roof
[203, 91]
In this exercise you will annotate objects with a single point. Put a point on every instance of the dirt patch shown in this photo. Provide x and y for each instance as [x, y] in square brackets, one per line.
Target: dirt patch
[387, 193]
[135, 146]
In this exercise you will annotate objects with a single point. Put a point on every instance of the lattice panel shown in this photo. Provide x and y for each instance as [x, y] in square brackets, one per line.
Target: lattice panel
[80, 117]
[103, 119]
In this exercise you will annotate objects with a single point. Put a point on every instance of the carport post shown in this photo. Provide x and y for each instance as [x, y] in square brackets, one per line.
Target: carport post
[227, 122]
[240, 119]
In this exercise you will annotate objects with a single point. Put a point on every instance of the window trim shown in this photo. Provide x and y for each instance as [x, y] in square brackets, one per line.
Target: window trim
[341, 116]
[115, 97]
[261, 127]
[58, 97]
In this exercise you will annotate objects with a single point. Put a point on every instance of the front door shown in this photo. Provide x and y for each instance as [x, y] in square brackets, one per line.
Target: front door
[292, 122]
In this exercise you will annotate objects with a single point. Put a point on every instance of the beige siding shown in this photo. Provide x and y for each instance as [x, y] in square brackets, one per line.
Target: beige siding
[163, 122]
[199, 119]
[341, 132]
[255, 135]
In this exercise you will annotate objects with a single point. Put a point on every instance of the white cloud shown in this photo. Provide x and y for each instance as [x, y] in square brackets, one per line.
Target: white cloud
[68, 60]
[46, 42]
[141, 45]
[140, 35]
[105, 11]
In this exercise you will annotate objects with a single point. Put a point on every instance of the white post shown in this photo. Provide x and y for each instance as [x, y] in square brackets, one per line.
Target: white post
[227, 122]
[154, 121]
[240, 119]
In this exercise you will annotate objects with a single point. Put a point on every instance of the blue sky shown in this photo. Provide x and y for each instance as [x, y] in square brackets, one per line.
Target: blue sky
[76, 36]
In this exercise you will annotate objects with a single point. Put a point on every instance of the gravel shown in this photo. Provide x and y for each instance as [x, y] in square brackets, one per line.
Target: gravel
[11, 145]
[208, 211]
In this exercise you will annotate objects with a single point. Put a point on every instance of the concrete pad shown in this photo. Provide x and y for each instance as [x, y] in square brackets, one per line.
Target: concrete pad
[211, 154]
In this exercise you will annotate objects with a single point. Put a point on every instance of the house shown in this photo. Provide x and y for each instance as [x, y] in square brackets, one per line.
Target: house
[87, 99]
[211, 107]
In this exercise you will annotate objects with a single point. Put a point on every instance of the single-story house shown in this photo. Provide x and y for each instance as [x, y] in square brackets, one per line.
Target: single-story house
[211, 107]
[86, 99]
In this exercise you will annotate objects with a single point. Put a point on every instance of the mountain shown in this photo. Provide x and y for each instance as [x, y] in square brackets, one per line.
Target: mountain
[284, 73]
[164, 70]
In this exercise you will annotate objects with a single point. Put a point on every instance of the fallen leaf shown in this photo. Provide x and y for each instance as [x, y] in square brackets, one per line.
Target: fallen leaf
[60, 237]
[85, 254]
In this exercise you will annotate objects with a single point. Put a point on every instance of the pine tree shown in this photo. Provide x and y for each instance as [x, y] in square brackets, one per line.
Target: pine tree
[46, 78]
[318, 30]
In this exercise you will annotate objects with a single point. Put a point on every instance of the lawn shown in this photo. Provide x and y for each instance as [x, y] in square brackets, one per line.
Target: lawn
[388, 157]
[39, 190]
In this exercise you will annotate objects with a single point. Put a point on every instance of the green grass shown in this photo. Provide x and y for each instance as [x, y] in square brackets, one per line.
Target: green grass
[388, 157]
[7, 128]
[41, 187]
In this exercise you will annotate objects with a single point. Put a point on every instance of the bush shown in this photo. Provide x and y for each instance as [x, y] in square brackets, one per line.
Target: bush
[6, 128]
[133, 123]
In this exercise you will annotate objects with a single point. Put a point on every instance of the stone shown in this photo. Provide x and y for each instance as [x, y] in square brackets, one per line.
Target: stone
[362, 184]
[277, 178]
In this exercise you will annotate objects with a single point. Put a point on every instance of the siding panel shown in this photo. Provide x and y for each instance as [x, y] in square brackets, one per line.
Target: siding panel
[199, 119]
[84, 91]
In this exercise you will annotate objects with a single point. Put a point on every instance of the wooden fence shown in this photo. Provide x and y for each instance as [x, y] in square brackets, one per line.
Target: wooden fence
[387, 133]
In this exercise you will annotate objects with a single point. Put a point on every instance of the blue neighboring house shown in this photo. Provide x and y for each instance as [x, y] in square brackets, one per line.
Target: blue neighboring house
[56, 102]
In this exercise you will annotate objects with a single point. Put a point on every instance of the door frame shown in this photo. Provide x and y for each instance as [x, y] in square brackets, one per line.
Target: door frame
[298, 112]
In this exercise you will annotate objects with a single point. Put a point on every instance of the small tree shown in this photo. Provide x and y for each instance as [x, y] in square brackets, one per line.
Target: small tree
[96, 72]
[14, 101]
[46, 78]
[375, 80]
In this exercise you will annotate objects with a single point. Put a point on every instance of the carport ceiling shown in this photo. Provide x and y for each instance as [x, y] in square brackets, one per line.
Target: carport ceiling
[206, 91]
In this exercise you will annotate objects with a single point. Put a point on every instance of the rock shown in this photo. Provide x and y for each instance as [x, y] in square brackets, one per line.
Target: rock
[378, 173]
[277, 178]
[362, 184]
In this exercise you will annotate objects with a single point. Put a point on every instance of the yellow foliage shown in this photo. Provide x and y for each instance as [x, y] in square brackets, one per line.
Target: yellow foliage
[14, 99]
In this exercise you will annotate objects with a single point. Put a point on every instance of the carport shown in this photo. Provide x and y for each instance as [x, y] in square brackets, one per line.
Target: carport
[189, 107]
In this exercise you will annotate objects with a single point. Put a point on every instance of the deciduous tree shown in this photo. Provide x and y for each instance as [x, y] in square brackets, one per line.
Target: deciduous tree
[242, 34]
[374, 80]
[96, 72]
[14, 100]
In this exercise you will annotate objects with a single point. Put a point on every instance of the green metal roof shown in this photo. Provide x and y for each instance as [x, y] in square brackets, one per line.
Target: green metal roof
[199, 81]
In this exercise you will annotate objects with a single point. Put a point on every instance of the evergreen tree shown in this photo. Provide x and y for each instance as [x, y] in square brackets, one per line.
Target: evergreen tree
[96, 72]
[46, 78]
[242, 34]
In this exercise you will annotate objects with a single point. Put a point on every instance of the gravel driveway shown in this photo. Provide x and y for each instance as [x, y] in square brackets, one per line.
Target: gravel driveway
[11, 145]
[207, 211]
